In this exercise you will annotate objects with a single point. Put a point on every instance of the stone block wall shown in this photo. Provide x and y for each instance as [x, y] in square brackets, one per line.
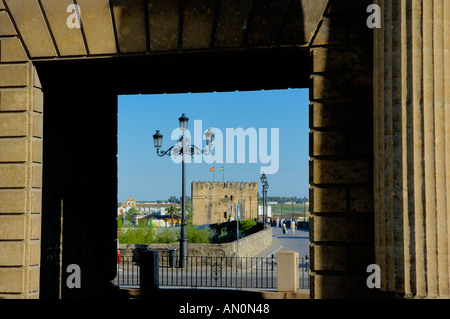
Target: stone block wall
[341, 153]
[21, 132]
[253, 244]
[246, 247]
[412, 143]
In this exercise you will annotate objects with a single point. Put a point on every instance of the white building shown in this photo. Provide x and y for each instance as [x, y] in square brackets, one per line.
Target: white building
[144, 209]
[261, 213]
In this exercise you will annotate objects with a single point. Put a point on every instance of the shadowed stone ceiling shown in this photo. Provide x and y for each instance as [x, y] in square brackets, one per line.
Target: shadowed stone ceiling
[142, 27]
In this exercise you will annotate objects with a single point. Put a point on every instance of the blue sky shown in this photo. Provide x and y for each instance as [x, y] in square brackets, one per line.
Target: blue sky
[145, 176]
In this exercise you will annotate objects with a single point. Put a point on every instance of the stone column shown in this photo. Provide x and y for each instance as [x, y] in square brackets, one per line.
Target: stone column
[341, 153]
[21, 128]
[287, 271]
[412, 146]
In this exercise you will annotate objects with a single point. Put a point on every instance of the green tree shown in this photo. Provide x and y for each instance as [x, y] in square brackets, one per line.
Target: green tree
[165, 237]
[171, 211]
[189, 213]
[174, 199]
[246, 226]
[119, 223]
[130, 214]
[199, 236]
[137, 235]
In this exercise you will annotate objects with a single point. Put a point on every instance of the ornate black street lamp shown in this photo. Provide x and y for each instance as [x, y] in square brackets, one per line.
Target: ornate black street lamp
[183, 149]
[265, 186]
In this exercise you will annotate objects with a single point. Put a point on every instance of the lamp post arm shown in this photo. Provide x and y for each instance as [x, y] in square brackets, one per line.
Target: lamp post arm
[163, 153]
[192, 149]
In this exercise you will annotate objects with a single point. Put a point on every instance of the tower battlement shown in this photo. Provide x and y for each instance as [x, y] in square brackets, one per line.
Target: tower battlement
[216, 202]
[228, 184]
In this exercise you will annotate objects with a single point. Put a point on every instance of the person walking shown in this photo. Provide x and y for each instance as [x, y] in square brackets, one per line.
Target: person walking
[293, 226]
[119, 259]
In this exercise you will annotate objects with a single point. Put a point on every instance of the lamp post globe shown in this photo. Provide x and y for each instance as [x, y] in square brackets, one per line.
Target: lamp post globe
[263, 179]
[209, 136]
[183, 120]
[157, 139]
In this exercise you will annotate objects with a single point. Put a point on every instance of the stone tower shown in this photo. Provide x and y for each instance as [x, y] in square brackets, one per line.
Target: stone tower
[216, 202]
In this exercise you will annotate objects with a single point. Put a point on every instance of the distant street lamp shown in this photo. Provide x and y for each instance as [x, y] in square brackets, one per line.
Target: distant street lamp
[265, 186]
[304, 211]
[183, 149]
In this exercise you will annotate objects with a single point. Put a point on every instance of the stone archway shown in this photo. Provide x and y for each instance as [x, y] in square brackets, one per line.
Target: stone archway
[265, 40]
[42, 62]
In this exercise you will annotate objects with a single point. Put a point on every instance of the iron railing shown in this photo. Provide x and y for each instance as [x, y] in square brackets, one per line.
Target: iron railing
[207, 271]
[128, 272]
[224, 272]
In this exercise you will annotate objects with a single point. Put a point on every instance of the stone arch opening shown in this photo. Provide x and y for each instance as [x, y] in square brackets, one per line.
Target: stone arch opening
[60, 84]
[79, 155]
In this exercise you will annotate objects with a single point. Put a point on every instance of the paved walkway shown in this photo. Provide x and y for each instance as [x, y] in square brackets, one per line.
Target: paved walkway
[299, 241]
